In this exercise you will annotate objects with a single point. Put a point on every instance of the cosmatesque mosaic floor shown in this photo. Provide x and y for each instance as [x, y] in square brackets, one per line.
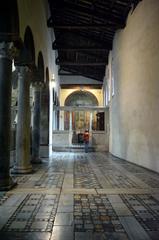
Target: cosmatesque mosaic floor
[82, 196]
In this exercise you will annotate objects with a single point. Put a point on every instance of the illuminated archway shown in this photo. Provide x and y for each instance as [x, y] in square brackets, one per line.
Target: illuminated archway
[81, 98]
[80, 119]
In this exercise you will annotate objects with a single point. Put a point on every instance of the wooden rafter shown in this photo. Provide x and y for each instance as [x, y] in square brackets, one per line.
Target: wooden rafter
[84, 32]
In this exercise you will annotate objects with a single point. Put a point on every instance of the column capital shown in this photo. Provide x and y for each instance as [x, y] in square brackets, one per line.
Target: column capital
[36, 81]
[22, 70]
[37, 85]
[24, 74]
[24, 58]
[7, 50]
[45, 85]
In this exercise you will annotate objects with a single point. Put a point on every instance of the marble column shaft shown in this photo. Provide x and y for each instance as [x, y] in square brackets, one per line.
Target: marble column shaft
[36, 125]
[90, 121]
[23, 164]
[70, 122]
[5, 116]
[44, 120]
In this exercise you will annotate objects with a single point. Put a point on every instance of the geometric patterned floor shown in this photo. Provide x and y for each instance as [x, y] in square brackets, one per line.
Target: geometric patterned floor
[82, 196]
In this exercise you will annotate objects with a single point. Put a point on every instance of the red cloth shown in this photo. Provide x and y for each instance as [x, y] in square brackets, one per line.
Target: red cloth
[86, 137]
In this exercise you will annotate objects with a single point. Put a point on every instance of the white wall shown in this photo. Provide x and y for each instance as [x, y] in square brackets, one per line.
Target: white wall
[134, 109]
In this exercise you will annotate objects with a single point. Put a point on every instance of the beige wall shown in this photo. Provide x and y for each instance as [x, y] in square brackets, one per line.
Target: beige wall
[134, 109]
[64, 93]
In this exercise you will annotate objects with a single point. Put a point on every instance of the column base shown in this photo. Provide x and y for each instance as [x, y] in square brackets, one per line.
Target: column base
[22, 170]
[7, 184]
[36, 160]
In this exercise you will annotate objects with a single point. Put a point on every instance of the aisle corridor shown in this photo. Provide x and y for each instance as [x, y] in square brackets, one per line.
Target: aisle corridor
[82, 196]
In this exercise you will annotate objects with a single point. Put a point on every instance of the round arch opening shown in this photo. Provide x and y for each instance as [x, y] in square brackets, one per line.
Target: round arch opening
[81, 119]
[47, 76]
[41, 66]
[81, 98]
[29, 43]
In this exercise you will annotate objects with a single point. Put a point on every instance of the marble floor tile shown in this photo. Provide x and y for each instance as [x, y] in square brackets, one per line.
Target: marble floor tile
[83, 235]
[63, 219]
[62, 233]
[82, 196]
[134, 229]
[24, 236]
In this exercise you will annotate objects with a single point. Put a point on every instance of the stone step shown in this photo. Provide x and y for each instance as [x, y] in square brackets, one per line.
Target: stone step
[72, 149]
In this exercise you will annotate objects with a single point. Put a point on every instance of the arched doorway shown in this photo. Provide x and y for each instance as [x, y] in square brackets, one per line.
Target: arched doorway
[41, 67]
[29, 43]
[80, 119]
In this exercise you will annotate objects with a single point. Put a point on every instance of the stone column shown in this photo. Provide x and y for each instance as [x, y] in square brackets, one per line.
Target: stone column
[53, 118]
[62, 123]
[22, 164]
[90, 121]
[5, 115]
[36, 124]
[44, 121]
[70, 125]
[56, 120]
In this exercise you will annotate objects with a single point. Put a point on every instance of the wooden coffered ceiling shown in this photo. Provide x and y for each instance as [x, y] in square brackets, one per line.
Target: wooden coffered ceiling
[84, 31]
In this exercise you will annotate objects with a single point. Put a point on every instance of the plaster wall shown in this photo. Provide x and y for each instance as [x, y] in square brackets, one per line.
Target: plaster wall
[100, 140]
[134, 108]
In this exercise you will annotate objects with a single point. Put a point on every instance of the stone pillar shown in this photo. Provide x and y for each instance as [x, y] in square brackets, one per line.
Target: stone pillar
[61, 127]
[6, 181]
[53, 121]
[36, 124]
[70, 125]
[44, 121]
[56, 119]
[22, 164]
[90, 121]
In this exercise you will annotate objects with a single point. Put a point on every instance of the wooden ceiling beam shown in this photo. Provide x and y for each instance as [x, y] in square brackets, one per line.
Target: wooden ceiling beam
[97, 44]
[69, 74]
[79, 48]
[81, 73]
[63, 47]
[66, 70]
[99, 70]
[68, 63]
[105, 14]
[80, 26]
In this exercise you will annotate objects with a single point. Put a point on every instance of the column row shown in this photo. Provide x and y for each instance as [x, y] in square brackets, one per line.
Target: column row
[23, 159]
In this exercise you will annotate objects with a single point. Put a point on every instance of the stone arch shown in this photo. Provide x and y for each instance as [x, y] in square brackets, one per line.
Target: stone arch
[9, 21]
[29, 43]
[81, 98]
[41, 66]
